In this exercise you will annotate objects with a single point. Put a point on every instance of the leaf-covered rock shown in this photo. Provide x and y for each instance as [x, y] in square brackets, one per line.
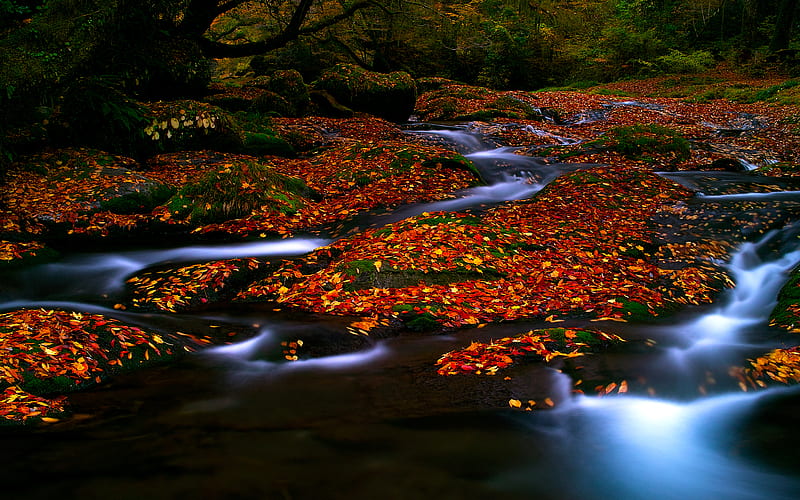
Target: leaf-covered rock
[786, 313]
[582, 247]
[64, 187]
[177, 289]
[48, 352]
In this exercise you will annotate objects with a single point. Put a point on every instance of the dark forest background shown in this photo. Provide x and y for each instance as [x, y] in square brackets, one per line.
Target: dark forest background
[88, 58]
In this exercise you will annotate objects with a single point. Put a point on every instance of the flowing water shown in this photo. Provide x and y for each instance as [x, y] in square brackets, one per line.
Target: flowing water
[231, 422]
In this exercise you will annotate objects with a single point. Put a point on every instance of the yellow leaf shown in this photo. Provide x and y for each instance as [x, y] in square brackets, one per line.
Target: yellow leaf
[515, 403]
[377, 265]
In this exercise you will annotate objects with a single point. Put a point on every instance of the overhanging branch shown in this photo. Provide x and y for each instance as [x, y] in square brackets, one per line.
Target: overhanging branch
[292, 31]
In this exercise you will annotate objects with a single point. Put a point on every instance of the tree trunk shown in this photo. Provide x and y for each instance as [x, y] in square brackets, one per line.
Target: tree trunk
[783, 26]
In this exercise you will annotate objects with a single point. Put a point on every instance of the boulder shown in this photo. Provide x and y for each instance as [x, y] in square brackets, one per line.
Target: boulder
[388, 95]
[289, 85]
[187, 124]
[451, 101]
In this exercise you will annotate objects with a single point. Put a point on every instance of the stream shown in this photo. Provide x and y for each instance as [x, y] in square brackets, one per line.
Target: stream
[228, 423]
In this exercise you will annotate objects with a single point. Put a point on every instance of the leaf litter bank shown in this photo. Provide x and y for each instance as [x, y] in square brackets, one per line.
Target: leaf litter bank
[594, 244]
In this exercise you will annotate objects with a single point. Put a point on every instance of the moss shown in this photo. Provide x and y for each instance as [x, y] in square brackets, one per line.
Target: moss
[388, 95]
[138, 201]
[588, 337]
[787, 313]
[260, 137]
[635, 141]
[447, 219]
[260, 144]
[235, 190]
[634, 311]
[418, 317]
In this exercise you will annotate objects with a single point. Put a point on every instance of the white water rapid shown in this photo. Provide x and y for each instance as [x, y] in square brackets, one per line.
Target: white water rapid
[637, 448]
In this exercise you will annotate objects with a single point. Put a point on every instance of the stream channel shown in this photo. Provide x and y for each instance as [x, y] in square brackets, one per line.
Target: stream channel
[225, 423]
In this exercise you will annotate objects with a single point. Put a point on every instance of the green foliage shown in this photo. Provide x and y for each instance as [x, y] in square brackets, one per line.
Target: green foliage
[260, 144]
[772, 92]
[678, 62]
[260, 138]
[637, 140]
[96, 114]
[235, 190]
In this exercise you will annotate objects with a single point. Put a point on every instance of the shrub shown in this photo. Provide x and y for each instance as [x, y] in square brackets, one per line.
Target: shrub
[95, 114]
[678, 62]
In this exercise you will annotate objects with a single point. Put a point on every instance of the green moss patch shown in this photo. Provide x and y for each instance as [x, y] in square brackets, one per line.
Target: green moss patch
[234, 190]
[637, 141]
[388, 95]
[456, 102]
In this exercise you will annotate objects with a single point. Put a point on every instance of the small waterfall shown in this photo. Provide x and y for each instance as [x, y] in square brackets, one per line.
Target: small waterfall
[543, 133]
[639, 448]
[462, 141]
[751, 301]
[644, 449]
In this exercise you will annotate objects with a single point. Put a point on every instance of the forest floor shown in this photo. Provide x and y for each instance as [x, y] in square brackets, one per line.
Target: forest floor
[610, 241]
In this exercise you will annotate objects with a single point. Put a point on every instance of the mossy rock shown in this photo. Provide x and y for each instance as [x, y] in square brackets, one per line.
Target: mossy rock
[786, 313]
[186, 125]
[259, 137]
[636, 141]
[456, 102]
[289, 85]
[272, 103]
[388, 95]
[235, 189]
